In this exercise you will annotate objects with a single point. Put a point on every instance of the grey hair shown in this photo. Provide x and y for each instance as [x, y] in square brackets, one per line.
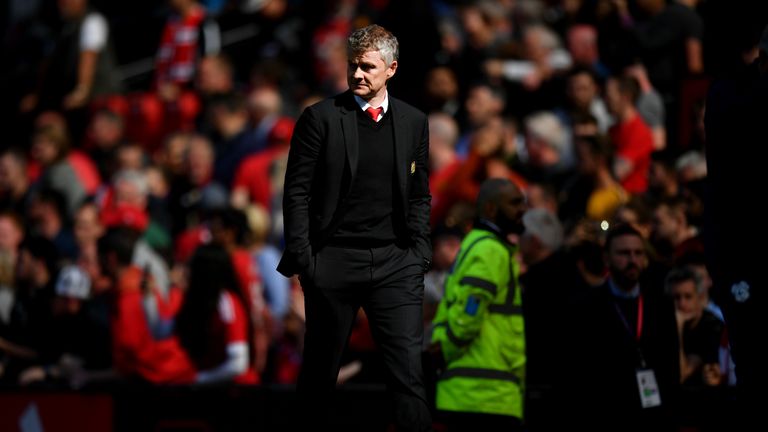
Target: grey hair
[694, 161]
[374, 38]
[137, 178]
[547, 38]
[545, 126]
[443, 126]
[681, 274]
[545, 226]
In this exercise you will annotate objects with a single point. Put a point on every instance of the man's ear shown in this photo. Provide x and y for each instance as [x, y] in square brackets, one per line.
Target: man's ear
[392, 69]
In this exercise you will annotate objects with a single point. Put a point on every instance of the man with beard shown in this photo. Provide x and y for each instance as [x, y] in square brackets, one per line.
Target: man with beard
[631, 365]
[478, 328]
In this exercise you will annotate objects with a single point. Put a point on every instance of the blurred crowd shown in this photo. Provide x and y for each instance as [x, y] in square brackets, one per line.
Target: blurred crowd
[142, 163]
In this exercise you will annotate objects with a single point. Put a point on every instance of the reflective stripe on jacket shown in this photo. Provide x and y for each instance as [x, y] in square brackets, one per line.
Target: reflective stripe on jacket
[479, 325]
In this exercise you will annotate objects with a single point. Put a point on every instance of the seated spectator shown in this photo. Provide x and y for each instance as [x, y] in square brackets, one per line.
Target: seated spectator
[233, 141]
[14, 182]
[47, 217]
[24, 337]
[214, 323]
[105, 136]
[50, 149]
[127, 206]
[136, 352]
[699, 330]
[75, 342]
[277, 288]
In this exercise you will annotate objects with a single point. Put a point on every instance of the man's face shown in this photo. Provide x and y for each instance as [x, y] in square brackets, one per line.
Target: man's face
[627, 259]
[509, 215]
[10, 235]
[127, 193]
[687, 300]
[9, 171]
[665, 225]
[581, 90]
[87, 227]
[481, 105]
[367, 74]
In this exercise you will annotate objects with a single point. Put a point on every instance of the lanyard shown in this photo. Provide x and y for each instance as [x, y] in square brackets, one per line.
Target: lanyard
[639, 332]
[624, 321]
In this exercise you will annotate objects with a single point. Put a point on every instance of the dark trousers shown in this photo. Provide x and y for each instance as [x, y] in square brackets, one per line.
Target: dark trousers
[388, 284]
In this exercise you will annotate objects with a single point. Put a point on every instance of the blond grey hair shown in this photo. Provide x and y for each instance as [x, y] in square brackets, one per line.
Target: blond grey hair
[373, 38]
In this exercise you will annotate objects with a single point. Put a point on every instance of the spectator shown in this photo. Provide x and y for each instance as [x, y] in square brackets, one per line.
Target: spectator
[136, 353]
[47, 218]
[214, 323]
[631, 137]
[30, 317]
[128, 209]
[233, 141]
[650, 105]
[543, 236]
[699, 330]
[82, 65]
[50, 148]
[106, 136]
[582, 46]
[549, 152]
[606, 194]
[277, 288]
[671, 235]
[14, 182]
[630, 341]
[187, 35]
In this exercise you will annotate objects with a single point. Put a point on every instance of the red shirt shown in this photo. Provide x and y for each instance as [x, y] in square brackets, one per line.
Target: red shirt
[177, 56]
[233, 319]
[253, 176]
[633, 141]
[135, 352]
[248, 276]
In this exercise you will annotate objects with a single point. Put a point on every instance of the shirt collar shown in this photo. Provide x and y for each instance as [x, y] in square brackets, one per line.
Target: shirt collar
[618, 292]
[364, 103]
[486, 225]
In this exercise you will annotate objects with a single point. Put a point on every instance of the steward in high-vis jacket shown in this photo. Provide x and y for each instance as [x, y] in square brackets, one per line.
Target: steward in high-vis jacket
[479, 323]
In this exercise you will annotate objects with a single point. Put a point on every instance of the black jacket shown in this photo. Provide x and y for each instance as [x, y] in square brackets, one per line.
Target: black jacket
[321, 169]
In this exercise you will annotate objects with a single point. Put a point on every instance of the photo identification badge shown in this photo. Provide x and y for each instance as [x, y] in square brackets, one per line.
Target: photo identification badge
[649, 389]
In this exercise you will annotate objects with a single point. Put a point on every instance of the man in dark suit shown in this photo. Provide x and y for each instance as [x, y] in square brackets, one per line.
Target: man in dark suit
[356, 206]
[630, 346]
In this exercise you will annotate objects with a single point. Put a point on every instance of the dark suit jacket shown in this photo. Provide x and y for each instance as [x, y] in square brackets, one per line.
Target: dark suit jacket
[322, 165]
[610, 358]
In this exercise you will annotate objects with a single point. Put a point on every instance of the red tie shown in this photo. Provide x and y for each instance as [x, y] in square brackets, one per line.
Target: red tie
[374, 112]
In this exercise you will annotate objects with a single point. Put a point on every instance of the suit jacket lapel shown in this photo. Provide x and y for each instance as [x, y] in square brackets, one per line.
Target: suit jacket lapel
[349, 130]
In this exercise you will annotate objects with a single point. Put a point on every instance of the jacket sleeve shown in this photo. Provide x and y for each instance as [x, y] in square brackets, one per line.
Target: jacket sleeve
[468, 299]
[419, 200]
[302, 160]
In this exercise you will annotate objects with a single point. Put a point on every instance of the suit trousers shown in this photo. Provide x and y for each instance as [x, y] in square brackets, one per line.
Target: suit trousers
[388, 283]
